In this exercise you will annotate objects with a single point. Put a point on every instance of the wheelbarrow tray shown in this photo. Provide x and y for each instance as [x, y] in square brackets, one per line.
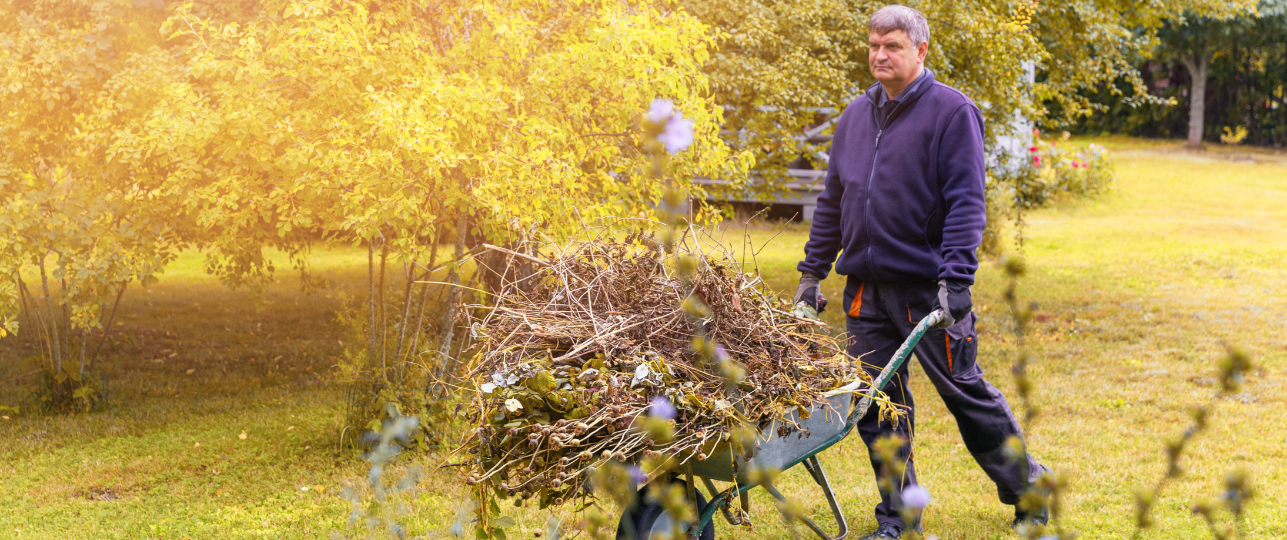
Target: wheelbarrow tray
[774, 451]
[828, 423]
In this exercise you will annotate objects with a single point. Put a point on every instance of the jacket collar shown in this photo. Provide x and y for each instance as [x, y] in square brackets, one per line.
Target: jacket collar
[914, 92]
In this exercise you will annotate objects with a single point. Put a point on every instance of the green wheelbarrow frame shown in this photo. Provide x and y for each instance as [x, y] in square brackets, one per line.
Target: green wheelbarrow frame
[719, 466]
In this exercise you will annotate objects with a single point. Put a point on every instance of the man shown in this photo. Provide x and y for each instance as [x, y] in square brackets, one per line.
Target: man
[903, 205]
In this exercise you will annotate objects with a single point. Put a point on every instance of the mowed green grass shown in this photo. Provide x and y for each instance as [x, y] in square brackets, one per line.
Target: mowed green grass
[1137, 291]
[192, 366]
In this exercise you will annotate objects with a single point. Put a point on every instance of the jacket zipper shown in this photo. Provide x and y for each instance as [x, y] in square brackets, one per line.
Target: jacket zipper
[866, 216]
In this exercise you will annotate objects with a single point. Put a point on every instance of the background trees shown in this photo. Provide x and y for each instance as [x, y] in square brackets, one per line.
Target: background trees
[401, 128]
[785, 69]
[786, 66]
[1192, 42]
[135, 129]
[1240, 64]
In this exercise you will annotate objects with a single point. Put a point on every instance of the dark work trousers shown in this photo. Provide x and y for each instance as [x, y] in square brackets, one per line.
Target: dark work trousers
[879, 318]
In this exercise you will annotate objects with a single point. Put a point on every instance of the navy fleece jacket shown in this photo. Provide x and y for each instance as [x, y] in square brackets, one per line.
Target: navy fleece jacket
[903, 200]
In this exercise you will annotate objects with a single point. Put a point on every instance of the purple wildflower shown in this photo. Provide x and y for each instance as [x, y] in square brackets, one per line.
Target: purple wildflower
[660, 110]
[678, 134]
[721, 354]
[915, 497]
[637, 474]
[677, 131]
[660, 407]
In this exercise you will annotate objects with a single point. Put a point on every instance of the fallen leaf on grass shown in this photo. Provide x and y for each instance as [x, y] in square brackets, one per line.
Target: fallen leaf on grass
[5, 417]
[191, 371]
[197, 445]
[243, 436]
[288, 428]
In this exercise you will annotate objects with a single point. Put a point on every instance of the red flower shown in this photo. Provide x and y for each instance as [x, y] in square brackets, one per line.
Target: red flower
[1032, 148]
[1076, 164]
[1036, 161]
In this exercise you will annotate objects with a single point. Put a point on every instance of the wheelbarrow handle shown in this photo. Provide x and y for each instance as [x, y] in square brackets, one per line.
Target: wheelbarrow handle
[900, 356]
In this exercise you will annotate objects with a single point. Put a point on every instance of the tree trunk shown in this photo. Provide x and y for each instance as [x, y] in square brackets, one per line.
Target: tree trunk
[453, 296]
[382, 320]
[39, 324]
[22, 299]
[424, 298]
[107, 327]
[84, 344]
[1197, 65]
[370, 282]
[409, 269]
[55, 346]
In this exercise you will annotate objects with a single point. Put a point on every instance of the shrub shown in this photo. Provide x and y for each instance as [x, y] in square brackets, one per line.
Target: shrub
[1047, 174]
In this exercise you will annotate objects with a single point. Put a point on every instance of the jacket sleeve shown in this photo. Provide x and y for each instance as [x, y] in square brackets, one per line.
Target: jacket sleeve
[962, 173]
[825, 232]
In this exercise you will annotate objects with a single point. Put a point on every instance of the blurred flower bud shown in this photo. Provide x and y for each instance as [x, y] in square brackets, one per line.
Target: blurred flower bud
[660, 407]
[916, 497]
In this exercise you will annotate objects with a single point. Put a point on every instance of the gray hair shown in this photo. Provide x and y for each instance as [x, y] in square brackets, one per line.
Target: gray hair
[896, 17]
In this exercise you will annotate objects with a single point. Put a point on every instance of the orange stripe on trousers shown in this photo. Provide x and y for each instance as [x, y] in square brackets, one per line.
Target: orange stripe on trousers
[856, 306]
[947, 338]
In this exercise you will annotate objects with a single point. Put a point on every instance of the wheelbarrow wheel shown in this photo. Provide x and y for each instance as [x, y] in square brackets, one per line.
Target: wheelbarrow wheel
[645, 518]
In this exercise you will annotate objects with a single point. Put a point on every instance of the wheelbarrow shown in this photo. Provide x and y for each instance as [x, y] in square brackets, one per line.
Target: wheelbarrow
[826, 425]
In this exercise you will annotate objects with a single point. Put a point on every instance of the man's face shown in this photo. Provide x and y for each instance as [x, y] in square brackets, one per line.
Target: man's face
[892, 58]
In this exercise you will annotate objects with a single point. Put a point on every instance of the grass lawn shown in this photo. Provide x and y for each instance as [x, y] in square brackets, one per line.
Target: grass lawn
[224, 417]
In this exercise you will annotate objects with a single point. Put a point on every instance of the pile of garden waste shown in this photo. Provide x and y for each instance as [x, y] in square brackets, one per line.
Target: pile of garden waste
[592, 357]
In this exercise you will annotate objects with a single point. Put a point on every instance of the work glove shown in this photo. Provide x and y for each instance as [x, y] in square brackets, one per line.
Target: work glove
[810, 293]
[955, 300]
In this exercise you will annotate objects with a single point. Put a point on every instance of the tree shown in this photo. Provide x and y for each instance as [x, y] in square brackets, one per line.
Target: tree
[1091, 44]
[401, 127]
[75, 226]
[785, 68]
[1192, 40]
[1245, 77]
[1195, 40]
